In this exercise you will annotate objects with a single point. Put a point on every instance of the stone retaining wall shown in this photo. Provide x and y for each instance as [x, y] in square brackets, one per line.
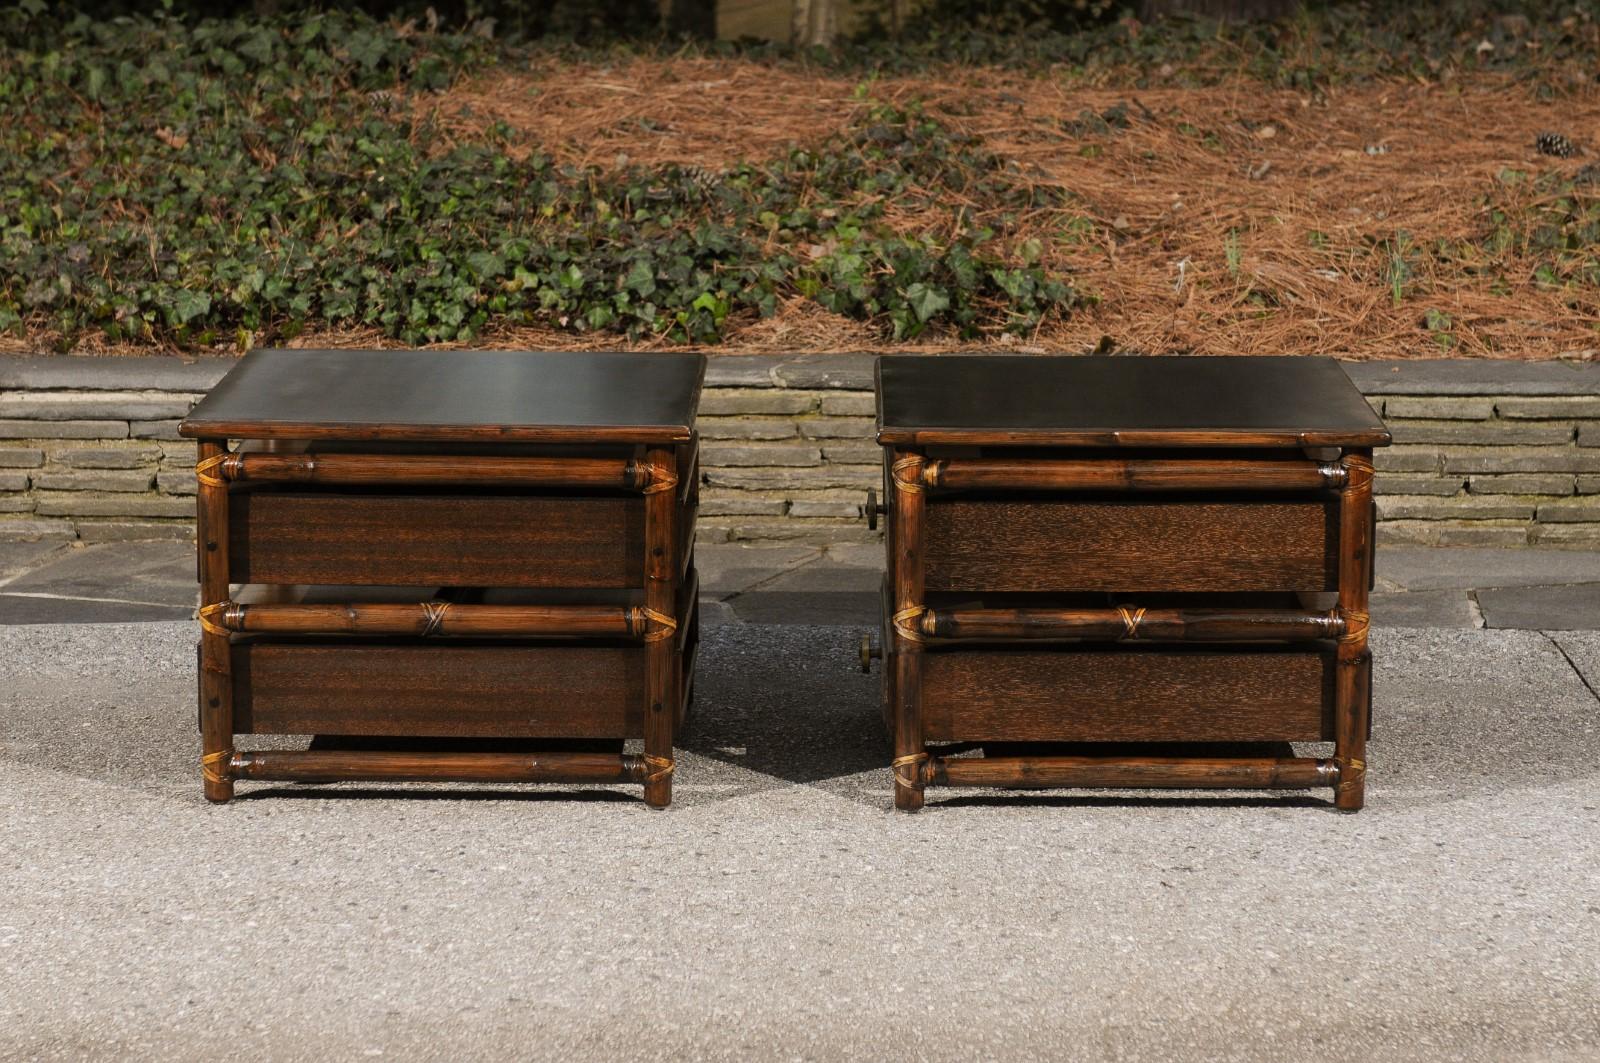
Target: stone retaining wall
[1486, 454]
[89, 447]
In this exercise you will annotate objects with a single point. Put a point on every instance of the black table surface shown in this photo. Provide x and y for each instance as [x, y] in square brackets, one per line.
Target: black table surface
[454, 396]
[1122, 401]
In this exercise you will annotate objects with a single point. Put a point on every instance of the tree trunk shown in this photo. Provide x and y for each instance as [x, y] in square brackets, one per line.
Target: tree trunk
[814, 23]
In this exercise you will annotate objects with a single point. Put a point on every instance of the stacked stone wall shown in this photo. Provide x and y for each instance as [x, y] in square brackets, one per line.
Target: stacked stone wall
[1485, 454]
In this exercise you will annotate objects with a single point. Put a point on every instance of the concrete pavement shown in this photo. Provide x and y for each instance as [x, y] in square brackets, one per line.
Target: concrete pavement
[778, 909]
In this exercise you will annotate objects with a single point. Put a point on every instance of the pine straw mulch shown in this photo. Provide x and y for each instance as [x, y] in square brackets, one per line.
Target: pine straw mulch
[1360, 166]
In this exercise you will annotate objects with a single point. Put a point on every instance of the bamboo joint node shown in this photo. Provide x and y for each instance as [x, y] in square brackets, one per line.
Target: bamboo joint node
[661, 479]
[207, 615]
[914, 777]
[1333, 474]
[202, 471]
[1358, 471]
[907, 625]
[665, 626]
[660, 768]
[214, 766]
[908, 474]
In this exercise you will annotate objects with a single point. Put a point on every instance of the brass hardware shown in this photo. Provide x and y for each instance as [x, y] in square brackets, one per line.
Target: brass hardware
[868, 652]
[873, 509]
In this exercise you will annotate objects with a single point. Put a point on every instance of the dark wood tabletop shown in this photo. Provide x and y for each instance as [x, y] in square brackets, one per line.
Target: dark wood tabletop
[454, 396]
[1121, 401]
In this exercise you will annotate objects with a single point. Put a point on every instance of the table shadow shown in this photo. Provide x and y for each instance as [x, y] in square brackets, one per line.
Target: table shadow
[788, 703]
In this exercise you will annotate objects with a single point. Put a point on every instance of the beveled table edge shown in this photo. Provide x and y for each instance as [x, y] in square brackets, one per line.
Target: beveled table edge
[464, 433]
[1108, 437]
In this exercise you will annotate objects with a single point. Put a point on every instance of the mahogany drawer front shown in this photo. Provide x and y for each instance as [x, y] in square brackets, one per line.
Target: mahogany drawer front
[438, 689]
[446, 539]
[1128, 695]
[1012, 544]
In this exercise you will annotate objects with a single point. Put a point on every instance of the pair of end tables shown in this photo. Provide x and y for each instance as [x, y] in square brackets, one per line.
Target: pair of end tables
[1102, 572]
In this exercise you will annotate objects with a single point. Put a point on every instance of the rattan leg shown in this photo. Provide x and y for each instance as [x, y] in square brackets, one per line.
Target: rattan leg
[661, 592]
[216, 679]
[1351, 696]
[910, 752]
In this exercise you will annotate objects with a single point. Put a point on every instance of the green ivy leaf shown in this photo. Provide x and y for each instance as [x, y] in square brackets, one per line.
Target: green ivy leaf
[641, 278]
[259, 45]
[927, 301]
[486, 265]
[367, 47]
[187, 305]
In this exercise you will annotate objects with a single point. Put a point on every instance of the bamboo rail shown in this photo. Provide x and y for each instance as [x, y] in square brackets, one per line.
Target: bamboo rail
[497, 470]
[1180, 773]
[1129, 623]
[336, 765]
[1141, 474]
[438, 618]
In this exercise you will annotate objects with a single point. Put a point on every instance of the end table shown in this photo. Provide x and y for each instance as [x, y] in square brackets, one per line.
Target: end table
[447, 545]
[1125, 553]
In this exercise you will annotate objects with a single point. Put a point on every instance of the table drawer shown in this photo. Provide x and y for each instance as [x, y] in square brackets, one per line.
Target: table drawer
[1006, 543]
[1128, 695]
[446, 539]
[437, 689]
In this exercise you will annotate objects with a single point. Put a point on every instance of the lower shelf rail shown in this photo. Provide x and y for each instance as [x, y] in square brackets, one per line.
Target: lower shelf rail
[371, 765]
[1173, 773]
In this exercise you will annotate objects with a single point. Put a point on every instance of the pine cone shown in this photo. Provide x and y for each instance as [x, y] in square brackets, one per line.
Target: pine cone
[703, 180]
[1555, 144]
